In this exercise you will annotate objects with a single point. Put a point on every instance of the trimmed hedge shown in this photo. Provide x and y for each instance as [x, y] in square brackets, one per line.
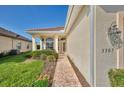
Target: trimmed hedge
[116, 77]
[10, 52]
[44, 54]
[35, 54]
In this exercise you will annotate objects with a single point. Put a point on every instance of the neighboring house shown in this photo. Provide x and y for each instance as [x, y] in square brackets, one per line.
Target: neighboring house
[10, 40]
[86, 41]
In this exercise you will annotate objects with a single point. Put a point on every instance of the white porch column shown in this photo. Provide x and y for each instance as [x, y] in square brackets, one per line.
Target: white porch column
[41, 44]
[44, 43]
[56, 43]
[33, 43]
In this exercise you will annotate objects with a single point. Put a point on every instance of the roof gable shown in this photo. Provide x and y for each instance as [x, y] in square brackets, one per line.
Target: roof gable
[47, 29]
[7, 33]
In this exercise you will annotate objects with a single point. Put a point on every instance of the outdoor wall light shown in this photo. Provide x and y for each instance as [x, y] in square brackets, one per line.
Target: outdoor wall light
[114, 35]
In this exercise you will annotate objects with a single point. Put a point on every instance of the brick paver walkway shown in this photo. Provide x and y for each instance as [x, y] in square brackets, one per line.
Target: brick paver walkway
[64, 74]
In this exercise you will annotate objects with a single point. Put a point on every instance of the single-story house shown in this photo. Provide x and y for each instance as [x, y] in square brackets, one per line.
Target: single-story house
[89, 38]
[10, 40]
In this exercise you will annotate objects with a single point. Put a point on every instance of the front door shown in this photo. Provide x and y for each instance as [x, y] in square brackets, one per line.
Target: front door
[49, 43]
[62, 46]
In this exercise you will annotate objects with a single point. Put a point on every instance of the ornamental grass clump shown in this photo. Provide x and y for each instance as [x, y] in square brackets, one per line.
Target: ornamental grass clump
[43, 81]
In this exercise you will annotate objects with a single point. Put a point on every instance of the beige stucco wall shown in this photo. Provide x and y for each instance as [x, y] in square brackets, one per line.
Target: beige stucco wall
[104, 61]
[6, 44]
[78, 43]
[24, 46]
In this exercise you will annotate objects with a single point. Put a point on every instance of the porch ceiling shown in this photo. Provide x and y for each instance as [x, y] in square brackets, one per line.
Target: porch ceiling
[113, 8]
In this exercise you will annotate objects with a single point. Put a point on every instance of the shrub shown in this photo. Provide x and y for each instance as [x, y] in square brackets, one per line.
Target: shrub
[35, 54]
[43, 57]
[47, 51]
[43, 53]
[116, 77]
[51, 58]
[1, 54]
[56, 55]
[5, 53]
[28, 55]
[50, 52]
[14, 52]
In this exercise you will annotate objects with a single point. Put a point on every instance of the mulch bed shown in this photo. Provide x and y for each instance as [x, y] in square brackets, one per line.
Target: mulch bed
[49, 69]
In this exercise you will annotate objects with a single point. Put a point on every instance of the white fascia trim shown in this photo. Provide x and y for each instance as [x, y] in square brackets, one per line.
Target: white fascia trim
[72, 14]
[45, 32]
[68, 15]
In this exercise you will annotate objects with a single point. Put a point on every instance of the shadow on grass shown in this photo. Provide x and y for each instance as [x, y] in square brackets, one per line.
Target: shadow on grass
[13, 58]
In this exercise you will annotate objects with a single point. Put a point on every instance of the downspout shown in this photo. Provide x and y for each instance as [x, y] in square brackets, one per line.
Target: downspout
[92, 30]
[12, 43]
[118, 51]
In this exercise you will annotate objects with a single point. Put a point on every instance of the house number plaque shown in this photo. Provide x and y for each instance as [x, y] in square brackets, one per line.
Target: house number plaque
[107, 50]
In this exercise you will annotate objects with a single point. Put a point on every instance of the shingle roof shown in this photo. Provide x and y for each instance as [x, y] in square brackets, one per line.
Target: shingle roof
[47, 29]
[7, 33]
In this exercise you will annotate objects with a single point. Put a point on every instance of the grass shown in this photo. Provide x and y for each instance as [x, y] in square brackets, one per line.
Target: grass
[15, 73]
[13, 58]
[116, 77]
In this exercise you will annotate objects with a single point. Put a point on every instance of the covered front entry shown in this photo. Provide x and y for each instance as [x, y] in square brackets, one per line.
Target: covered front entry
[50, 38]
[55, 43]
[50, 43]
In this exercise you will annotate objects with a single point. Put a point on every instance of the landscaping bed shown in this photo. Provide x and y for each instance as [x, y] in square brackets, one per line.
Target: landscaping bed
[49, 58]
[49, 70]
[116, 77]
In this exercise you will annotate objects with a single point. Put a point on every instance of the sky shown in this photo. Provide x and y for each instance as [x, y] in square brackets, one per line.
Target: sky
[19, 18]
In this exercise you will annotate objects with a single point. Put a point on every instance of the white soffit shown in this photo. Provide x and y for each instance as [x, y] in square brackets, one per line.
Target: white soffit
[112, 8]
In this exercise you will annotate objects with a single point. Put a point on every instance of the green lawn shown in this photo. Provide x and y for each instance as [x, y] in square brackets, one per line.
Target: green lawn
[13, 72]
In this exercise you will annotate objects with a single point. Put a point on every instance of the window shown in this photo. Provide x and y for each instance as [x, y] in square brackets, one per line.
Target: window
[18, 45]
[28, 46]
